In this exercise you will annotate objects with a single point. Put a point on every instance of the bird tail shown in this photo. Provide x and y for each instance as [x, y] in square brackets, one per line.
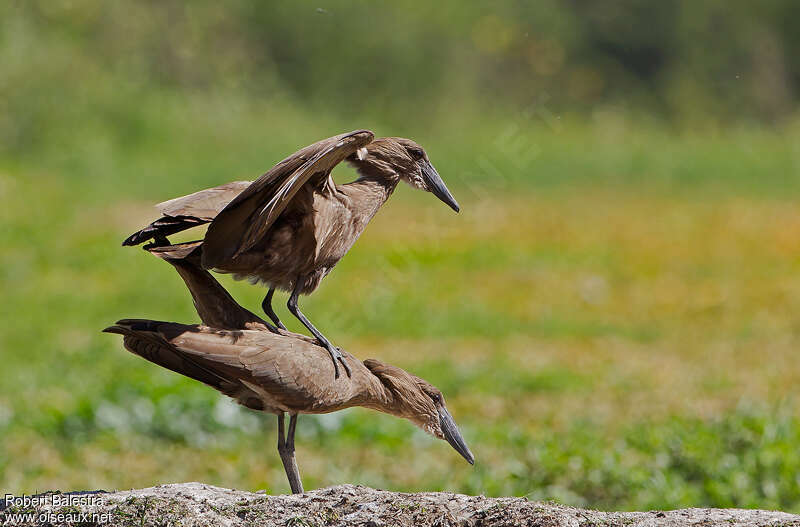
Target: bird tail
[163, 227]
[189, 252]
[213, 303]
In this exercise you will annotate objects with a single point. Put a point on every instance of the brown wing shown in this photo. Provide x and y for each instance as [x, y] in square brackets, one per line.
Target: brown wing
[296, 374]
[152, 340]
[246, 365]
[189, 211]
[246, 219]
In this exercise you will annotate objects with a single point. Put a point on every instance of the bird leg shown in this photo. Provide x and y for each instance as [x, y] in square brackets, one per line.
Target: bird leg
[286, 451]
[336, 354]
[266, 305]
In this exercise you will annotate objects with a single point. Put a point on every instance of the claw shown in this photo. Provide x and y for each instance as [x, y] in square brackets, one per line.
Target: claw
[337, 357]
[272, 328]
[346, 367]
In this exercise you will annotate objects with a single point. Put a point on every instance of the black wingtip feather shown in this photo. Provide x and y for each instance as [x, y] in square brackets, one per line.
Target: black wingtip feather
[137, 238]
[161, 228]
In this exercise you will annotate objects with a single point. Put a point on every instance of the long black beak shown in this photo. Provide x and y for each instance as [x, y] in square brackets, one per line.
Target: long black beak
[453, 436]
[437, 186]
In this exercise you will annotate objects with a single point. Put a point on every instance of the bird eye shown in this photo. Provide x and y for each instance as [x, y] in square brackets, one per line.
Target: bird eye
[416, 153]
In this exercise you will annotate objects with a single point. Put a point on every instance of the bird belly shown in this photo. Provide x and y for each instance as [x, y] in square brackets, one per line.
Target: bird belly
[286, 253]
[306, 246]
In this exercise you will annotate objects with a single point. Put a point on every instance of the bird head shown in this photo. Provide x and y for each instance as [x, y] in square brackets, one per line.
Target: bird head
[421, 403]
[407, 160]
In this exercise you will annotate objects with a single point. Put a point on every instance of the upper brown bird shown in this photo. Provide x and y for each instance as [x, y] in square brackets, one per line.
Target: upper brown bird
[291, 226]
[276, 373]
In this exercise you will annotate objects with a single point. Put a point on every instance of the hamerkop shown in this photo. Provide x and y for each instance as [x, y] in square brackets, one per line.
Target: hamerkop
[291, 226]
[278, 373]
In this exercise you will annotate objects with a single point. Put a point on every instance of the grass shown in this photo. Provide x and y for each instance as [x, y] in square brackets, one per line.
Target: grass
[612, 319]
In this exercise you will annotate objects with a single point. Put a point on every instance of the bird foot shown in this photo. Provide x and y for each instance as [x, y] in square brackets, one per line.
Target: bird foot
[337, 357]
[271, 328]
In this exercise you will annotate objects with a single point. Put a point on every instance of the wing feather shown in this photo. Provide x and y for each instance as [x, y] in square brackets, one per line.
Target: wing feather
[204, 204]
[188, 211]
[248, 217]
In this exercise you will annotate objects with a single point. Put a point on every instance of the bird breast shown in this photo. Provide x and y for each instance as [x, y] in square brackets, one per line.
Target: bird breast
[307, 243]
[335, 235]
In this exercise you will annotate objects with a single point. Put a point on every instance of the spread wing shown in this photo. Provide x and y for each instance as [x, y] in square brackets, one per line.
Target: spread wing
[248, 217]
[189, 211]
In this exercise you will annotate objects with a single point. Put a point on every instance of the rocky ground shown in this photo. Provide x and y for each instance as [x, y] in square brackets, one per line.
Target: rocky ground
[197, 504]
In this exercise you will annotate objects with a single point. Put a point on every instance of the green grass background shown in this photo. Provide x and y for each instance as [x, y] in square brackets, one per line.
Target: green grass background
[613, 317]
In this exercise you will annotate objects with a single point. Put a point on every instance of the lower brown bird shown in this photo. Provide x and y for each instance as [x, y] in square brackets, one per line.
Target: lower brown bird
[236, 353]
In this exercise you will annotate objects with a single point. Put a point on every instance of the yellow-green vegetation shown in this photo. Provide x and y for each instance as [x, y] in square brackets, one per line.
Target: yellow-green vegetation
[609, 347]
[613, 317]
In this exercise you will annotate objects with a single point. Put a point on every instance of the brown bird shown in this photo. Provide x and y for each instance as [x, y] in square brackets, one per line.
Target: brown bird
[291, 226]
[235, 353]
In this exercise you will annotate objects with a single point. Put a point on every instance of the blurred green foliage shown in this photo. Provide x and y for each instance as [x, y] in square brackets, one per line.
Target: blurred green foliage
[611, 318]
[689, 62]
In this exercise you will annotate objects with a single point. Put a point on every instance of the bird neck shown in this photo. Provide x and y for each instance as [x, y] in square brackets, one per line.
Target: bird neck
[371, 190]
[377, 173]
[377, 396]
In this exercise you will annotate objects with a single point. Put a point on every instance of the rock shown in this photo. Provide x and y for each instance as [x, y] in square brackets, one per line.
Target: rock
[197, 504]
